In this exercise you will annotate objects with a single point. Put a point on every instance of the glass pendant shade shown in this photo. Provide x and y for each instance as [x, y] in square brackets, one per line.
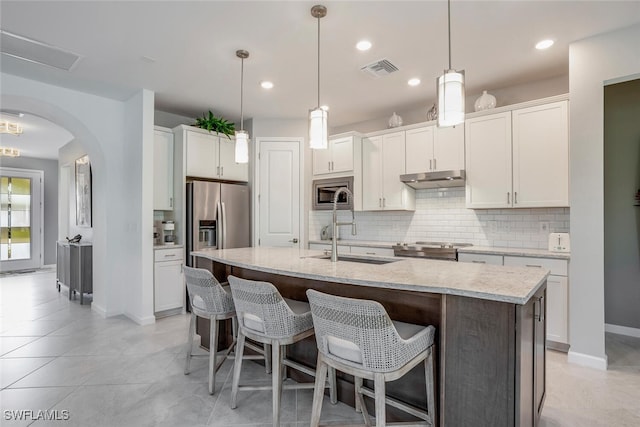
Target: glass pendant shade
[451, 98]
[318, 134]
[242, 146]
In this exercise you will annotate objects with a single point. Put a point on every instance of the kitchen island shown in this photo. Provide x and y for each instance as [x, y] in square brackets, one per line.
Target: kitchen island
[490, 322]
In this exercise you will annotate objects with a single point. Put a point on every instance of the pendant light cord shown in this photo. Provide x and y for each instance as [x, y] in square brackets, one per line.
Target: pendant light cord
[318, 62]
[241, 93]
[449, 28]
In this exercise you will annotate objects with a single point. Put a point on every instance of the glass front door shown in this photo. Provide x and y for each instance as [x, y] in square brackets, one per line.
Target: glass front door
[20, 219]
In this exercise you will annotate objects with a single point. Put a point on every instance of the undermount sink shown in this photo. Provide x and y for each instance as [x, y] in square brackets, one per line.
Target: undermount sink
[352, 258]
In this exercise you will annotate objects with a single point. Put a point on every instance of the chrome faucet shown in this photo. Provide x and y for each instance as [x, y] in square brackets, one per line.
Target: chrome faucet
[334, 240]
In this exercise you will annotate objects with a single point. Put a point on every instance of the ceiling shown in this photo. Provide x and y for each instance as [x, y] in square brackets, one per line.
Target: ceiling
[41, 138]
[185, 50]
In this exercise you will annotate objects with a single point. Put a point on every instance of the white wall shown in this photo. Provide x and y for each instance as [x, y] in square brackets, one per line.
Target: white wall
[504, 96]
[592, 63]
[100, 125]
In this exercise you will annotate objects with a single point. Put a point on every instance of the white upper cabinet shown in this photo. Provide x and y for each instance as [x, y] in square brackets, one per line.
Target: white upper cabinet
[431, 149]
[518, 158]
[541, 156]
[211, 156]
[338, 157]
[383, 161]
[162, 169]
[488, 157]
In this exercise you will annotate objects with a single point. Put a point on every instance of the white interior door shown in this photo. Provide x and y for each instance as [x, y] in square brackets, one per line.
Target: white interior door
[279, 198]
[20, 219]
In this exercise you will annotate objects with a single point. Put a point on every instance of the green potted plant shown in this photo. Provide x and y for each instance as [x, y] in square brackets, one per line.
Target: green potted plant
[215, 124]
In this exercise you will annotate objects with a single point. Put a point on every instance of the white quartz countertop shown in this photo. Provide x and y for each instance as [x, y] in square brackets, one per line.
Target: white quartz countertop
[491, 282]
[168, 246]
[540, 253]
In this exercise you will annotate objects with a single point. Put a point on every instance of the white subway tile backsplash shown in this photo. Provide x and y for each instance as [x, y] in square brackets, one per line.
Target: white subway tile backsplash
[441, 215]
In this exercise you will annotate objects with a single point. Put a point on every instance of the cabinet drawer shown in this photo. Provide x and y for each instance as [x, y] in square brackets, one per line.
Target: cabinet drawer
[557, 267]
[371, 251]
[481, 258]
[174, 254]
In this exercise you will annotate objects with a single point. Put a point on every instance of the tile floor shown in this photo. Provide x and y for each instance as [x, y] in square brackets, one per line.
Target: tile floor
[58, 355]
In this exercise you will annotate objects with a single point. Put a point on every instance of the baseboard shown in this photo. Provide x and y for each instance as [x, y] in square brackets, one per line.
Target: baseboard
[622, 330]
[147, 320]
[101, 311]
[587, 360]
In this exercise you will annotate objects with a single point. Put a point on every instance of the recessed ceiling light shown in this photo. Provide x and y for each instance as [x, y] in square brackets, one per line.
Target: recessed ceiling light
[414, 82]
[266, 84]
[324, 107]
[363, 45]
[544, 44]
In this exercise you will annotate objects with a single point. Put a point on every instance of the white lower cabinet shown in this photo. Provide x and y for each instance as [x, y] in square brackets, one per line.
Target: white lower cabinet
[342, 249]
[168, 281]
[481, 258]
[557, 302]
[557, 296]
[371, 251]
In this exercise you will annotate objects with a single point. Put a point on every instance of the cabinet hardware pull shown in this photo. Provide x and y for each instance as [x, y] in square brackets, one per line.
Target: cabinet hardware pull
[370, 253]
[384, 202]
[533, 265]
[508, 198]
[168, 255]
[542, 309]
[479, 262]
[333, 167]
[515, 197]
[430, 164]
[170, 202]
[329, 165]
[434, 164]
[221, 170]
[217, 170]
[380, 202]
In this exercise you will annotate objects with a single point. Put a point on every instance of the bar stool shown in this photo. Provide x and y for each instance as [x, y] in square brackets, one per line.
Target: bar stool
[210, 300]
[265, 316]
[358, 337]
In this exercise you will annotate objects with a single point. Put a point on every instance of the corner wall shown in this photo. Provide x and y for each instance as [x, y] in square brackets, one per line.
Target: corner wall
[593, 63]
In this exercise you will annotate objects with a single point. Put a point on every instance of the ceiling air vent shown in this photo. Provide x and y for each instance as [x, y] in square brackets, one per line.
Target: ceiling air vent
[35, 51]
[380, 68]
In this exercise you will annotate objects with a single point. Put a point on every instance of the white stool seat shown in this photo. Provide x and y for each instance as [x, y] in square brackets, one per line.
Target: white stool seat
[358, 337]
[266, 317]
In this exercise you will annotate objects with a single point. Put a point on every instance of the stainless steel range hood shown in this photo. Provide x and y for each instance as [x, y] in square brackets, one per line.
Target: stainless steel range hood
[441, 179]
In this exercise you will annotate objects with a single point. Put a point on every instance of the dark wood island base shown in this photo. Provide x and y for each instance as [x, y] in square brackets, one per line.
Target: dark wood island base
[490, 355]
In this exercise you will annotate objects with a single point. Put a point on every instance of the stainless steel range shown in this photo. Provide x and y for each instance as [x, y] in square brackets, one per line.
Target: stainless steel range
[430, 250]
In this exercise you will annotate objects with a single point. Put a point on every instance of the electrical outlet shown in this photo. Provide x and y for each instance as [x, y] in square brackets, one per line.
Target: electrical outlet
[544, 227]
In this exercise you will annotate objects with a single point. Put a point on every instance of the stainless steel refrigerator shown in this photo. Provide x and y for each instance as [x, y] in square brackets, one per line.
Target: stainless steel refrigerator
[218, 216]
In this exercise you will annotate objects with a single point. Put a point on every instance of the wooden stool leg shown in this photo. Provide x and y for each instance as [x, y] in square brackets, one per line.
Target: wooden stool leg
[318, 391]
[379, 385]
[192, 331]
[213, 350]
[237, 366]
[267, 358]
[276, 380]
[333, 392]
[428, 368]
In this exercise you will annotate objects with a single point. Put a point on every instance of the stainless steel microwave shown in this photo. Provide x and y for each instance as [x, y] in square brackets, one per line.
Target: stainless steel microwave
[324, 191]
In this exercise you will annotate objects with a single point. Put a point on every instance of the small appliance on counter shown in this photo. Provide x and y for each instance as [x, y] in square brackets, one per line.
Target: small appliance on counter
[168, 233]
[559, 242]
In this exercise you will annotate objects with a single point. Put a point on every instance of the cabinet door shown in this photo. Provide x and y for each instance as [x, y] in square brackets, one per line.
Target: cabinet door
[229, 169]
[163, 171]
[448, 148]
[541, 156]
[202, 155]
[372, 173]
[488, 161]
[341, 154]
[322, 161]
[557, 305]
[539, 354]
[480, 258]
[393, 165]
[169, 285]
[419, 150]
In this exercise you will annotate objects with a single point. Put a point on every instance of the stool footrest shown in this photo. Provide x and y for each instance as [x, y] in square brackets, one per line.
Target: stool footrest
[302, 368]
[401, 405]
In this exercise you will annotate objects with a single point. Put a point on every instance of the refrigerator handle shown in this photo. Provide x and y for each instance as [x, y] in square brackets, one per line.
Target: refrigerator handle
[224, 226]
[218, 226]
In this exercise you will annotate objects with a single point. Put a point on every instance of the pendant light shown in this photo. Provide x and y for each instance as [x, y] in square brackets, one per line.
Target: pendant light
[450, 89]
[318, 137]
[242, 136]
